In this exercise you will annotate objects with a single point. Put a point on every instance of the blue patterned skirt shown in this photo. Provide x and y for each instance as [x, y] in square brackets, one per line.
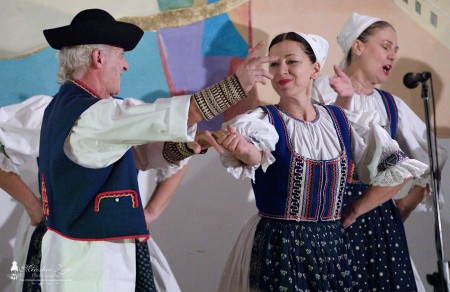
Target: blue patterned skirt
[301, 256]
[379, 246]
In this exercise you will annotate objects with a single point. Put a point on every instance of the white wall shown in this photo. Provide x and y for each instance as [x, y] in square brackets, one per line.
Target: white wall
[201, 224]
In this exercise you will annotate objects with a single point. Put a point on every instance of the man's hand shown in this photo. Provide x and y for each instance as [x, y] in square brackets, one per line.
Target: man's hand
[202, 141]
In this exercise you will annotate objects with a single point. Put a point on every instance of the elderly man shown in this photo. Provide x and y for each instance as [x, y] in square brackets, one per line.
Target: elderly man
[96, 223]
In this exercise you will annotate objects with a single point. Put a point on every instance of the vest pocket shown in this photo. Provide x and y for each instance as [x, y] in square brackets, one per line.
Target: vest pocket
[116, 201]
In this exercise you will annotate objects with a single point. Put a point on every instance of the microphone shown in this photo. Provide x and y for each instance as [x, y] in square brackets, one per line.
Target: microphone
[411, 80]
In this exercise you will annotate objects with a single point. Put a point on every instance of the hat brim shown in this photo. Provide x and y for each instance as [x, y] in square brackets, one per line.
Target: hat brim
[119, 34]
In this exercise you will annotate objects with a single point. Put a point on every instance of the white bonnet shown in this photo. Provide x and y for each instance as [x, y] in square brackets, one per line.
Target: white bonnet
[352, 29]
[318, 44]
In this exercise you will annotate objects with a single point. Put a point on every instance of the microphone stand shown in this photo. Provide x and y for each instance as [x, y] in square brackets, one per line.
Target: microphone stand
[443, 269]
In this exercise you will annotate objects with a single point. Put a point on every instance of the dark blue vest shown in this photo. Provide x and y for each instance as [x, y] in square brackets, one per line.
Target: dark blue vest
[83, 203]
[301, 189]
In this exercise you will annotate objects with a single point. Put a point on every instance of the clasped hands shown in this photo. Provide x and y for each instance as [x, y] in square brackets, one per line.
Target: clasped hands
[227, 139]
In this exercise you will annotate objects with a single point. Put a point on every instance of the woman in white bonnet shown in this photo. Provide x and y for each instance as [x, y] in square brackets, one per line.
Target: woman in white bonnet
[296, 153]
[378, 237]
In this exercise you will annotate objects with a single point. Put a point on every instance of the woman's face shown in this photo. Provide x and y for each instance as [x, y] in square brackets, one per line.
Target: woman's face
[293, 70]
[379, 54]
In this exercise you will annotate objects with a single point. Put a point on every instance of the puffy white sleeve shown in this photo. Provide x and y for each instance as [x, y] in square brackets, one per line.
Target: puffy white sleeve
[255, 126]
[412, 137]
[20, 127]
[378, 158]
[107, 129]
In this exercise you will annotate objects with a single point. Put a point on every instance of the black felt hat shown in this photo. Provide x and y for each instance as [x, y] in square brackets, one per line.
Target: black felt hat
[94, 26]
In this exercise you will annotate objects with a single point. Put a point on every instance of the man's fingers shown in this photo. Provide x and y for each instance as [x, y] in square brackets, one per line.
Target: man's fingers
[214, 144]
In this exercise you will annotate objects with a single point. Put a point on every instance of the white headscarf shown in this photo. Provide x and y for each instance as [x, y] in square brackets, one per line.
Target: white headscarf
[319, 46]
[352, 29]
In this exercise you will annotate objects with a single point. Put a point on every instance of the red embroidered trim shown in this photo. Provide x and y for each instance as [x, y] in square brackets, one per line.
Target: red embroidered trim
[84, 87]
[45, 207]
[144, 237]
[116, 194]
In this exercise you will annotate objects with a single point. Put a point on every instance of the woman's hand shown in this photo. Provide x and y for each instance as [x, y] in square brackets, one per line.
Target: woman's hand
[349, 215]
[35, 212]
[342, 84]
[251, 71]
[232, 140]
[408, 203]
[237, 144]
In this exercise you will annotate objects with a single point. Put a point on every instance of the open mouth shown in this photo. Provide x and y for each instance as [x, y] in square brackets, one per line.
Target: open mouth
[387, 69]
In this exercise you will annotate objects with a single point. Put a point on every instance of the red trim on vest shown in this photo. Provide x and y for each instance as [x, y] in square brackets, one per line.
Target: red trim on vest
[44, 196]
[116, 194]
[144, 237]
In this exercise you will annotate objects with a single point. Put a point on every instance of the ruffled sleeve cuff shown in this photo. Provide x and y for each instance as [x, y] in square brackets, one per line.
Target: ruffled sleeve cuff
[393, 173]
[240, 170]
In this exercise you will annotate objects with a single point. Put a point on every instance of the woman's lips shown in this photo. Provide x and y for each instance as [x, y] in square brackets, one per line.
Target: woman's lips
[284, 81]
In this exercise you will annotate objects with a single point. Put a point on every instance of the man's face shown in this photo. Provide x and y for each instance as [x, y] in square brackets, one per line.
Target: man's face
[113, 66]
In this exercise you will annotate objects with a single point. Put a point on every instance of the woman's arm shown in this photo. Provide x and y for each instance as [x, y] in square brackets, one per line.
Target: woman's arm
[162, 195]
[239, 146]
[372, 197]
[16, 188]
[409, 202]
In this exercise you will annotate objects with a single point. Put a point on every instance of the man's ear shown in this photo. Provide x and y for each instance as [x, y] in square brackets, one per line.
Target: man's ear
[97, 58]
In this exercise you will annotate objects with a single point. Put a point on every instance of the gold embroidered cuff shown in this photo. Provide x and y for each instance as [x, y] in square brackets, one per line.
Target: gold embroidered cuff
[174, 152]
[219, 97]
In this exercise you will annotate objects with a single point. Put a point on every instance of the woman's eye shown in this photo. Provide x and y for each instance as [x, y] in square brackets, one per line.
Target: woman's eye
[273, 64]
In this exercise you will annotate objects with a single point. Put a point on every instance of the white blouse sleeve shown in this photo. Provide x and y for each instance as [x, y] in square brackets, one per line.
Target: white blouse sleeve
[20, 127]
[378, 158]
[412, 137]
[106, 130]
[255, 126]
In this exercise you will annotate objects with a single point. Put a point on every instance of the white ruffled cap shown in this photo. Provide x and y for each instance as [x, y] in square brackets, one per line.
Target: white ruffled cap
[319, 46]
[352, 29]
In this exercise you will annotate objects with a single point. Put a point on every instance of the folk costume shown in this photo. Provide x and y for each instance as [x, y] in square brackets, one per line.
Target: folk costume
[378, 237]
[100, 229]
[296, 242]
[87, 173]
[20, 126]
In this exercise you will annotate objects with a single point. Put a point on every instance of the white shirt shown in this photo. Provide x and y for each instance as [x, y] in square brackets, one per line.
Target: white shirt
[318, 140]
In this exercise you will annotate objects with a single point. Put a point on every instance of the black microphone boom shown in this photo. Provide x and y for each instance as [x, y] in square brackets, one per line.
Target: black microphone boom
[411, 80]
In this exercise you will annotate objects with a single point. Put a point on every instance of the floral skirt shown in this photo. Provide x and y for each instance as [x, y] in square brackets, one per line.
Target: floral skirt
[379, 246]
[301, 256]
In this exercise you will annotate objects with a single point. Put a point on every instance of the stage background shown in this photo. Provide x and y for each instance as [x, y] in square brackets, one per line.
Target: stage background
[187, 46]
